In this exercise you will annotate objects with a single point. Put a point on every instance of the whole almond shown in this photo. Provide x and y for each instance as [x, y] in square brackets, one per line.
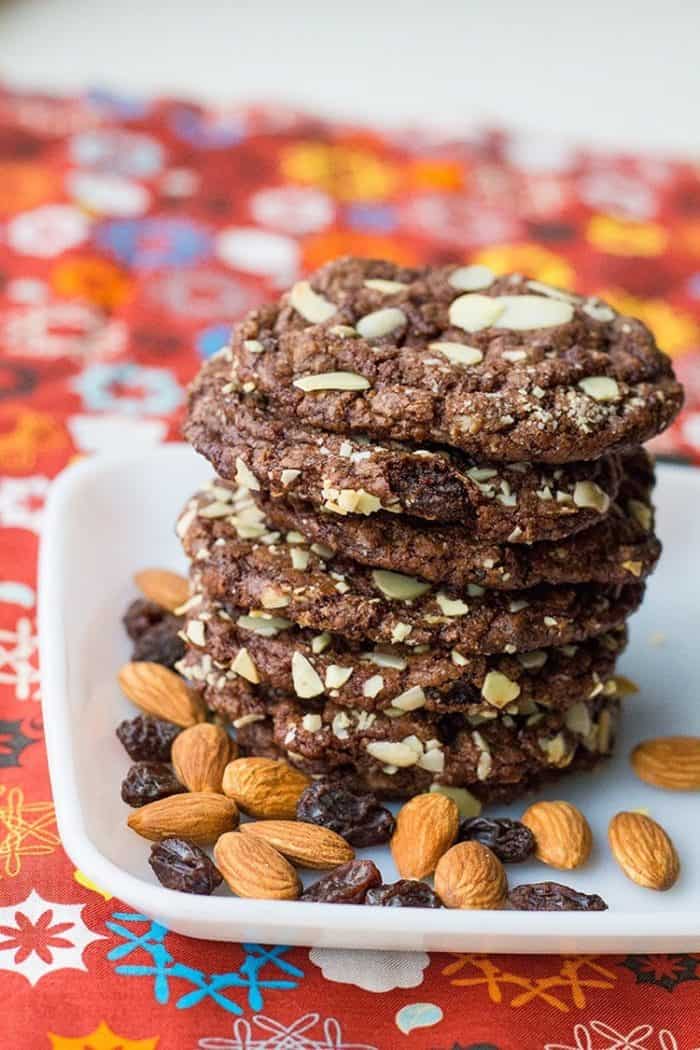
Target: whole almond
[470, 876]
[165, 588]
[425, 828]
[160, 692]
[308, 845]
[669, 762]
[643, 850]
[563, 836]
[254, 868]
[198, 815]
[264, 787]
[200, 755]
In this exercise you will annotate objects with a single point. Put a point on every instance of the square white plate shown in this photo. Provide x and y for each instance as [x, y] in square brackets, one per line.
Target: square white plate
[109, 517]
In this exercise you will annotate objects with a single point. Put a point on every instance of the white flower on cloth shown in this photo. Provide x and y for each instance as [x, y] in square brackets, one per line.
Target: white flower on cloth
[38, 937]
[600, 1036]
[260, 252]
[48, 230]
[18, 660]
[293, 209]
[371, 970]
[264, 1033]
[45, 331]
[22, 502]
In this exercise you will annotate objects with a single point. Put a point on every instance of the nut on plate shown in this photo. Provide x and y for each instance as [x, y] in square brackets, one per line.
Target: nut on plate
[165, 588]
[308, 845]
[425, 828]
[563, 837]
[198, 816]
[254, 868]
[669, 762]
[160, 692]
[200, 755]
[264, 788]
[643, 850]
[470, 876]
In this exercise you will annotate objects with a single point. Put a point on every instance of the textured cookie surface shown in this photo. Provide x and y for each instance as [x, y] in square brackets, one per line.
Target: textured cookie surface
[622, 547]
[516, 503]
[255, 658]
[492, 759]
[502, 368]
[286, 576]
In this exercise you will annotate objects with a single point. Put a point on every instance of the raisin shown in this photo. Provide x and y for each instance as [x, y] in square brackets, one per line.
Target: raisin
[406, 893]
[510, 840]
[552, 896]
[180, 865]
[147, 739]
[358, 818]
[148, 781]
[154, 632]
[347, 884]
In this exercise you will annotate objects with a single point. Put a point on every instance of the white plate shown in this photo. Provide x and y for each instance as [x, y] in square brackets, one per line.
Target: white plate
[108, 517]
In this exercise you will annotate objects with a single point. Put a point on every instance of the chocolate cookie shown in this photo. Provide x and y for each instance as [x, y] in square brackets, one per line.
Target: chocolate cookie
[504, 754]
[517, 502]
[253, 658]
[289, 578]
[501, 367]
[622, 547]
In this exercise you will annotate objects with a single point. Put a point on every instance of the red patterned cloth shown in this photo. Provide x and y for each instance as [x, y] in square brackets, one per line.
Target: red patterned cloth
[132, 233]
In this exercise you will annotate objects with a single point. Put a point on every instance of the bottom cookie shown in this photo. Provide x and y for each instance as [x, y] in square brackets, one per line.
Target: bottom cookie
[259, 739]
[494, 759]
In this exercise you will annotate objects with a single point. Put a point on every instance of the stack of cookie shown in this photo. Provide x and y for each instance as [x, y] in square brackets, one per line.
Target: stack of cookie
[431, 523]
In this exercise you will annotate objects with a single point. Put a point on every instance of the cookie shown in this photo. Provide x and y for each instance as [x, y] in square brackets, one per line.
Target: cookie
[251, 659]
[622, 547]
[448, 749]
[504, 368]
[515, 503]
[287, 577]
[259, 739]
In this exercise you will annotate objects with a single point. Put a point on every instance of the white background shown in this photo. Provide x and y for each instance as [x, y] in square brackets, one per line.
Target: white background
[623, 72]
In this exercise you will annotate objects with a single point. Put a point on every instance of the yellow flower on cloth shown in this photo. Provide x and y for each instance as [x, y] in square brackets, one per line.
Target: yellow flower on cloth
[24, 185]
[93, 280]
[530, 259]
[676, 332]
[619, 236]
[101, 1038]
[348, 173]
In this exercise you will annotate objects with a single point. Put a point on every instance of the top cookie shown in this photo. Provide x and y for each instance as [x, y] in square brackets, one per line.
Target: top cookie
[503, 368]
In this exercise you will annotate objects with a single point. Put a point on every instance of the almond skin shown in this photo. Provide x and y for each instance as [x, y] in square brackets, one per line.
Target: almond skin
[425, 828]
[200, 755]
[563, 837]
[669, 762]
[165, 588]
[254, 868]
[308, 845]
[198, 816]
[160, 692]
[643, 850]
[264, 788]
[470, 876]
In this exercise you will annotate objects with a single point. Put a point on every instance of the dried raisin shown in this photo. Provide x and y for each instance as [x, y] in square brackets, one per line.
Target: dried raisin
[552, 896]
[406, 893]
[510, 840]
[358, 818]
[147, 739]
[154, 632]
[347, 884]
[180, 865]
[148, 781]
